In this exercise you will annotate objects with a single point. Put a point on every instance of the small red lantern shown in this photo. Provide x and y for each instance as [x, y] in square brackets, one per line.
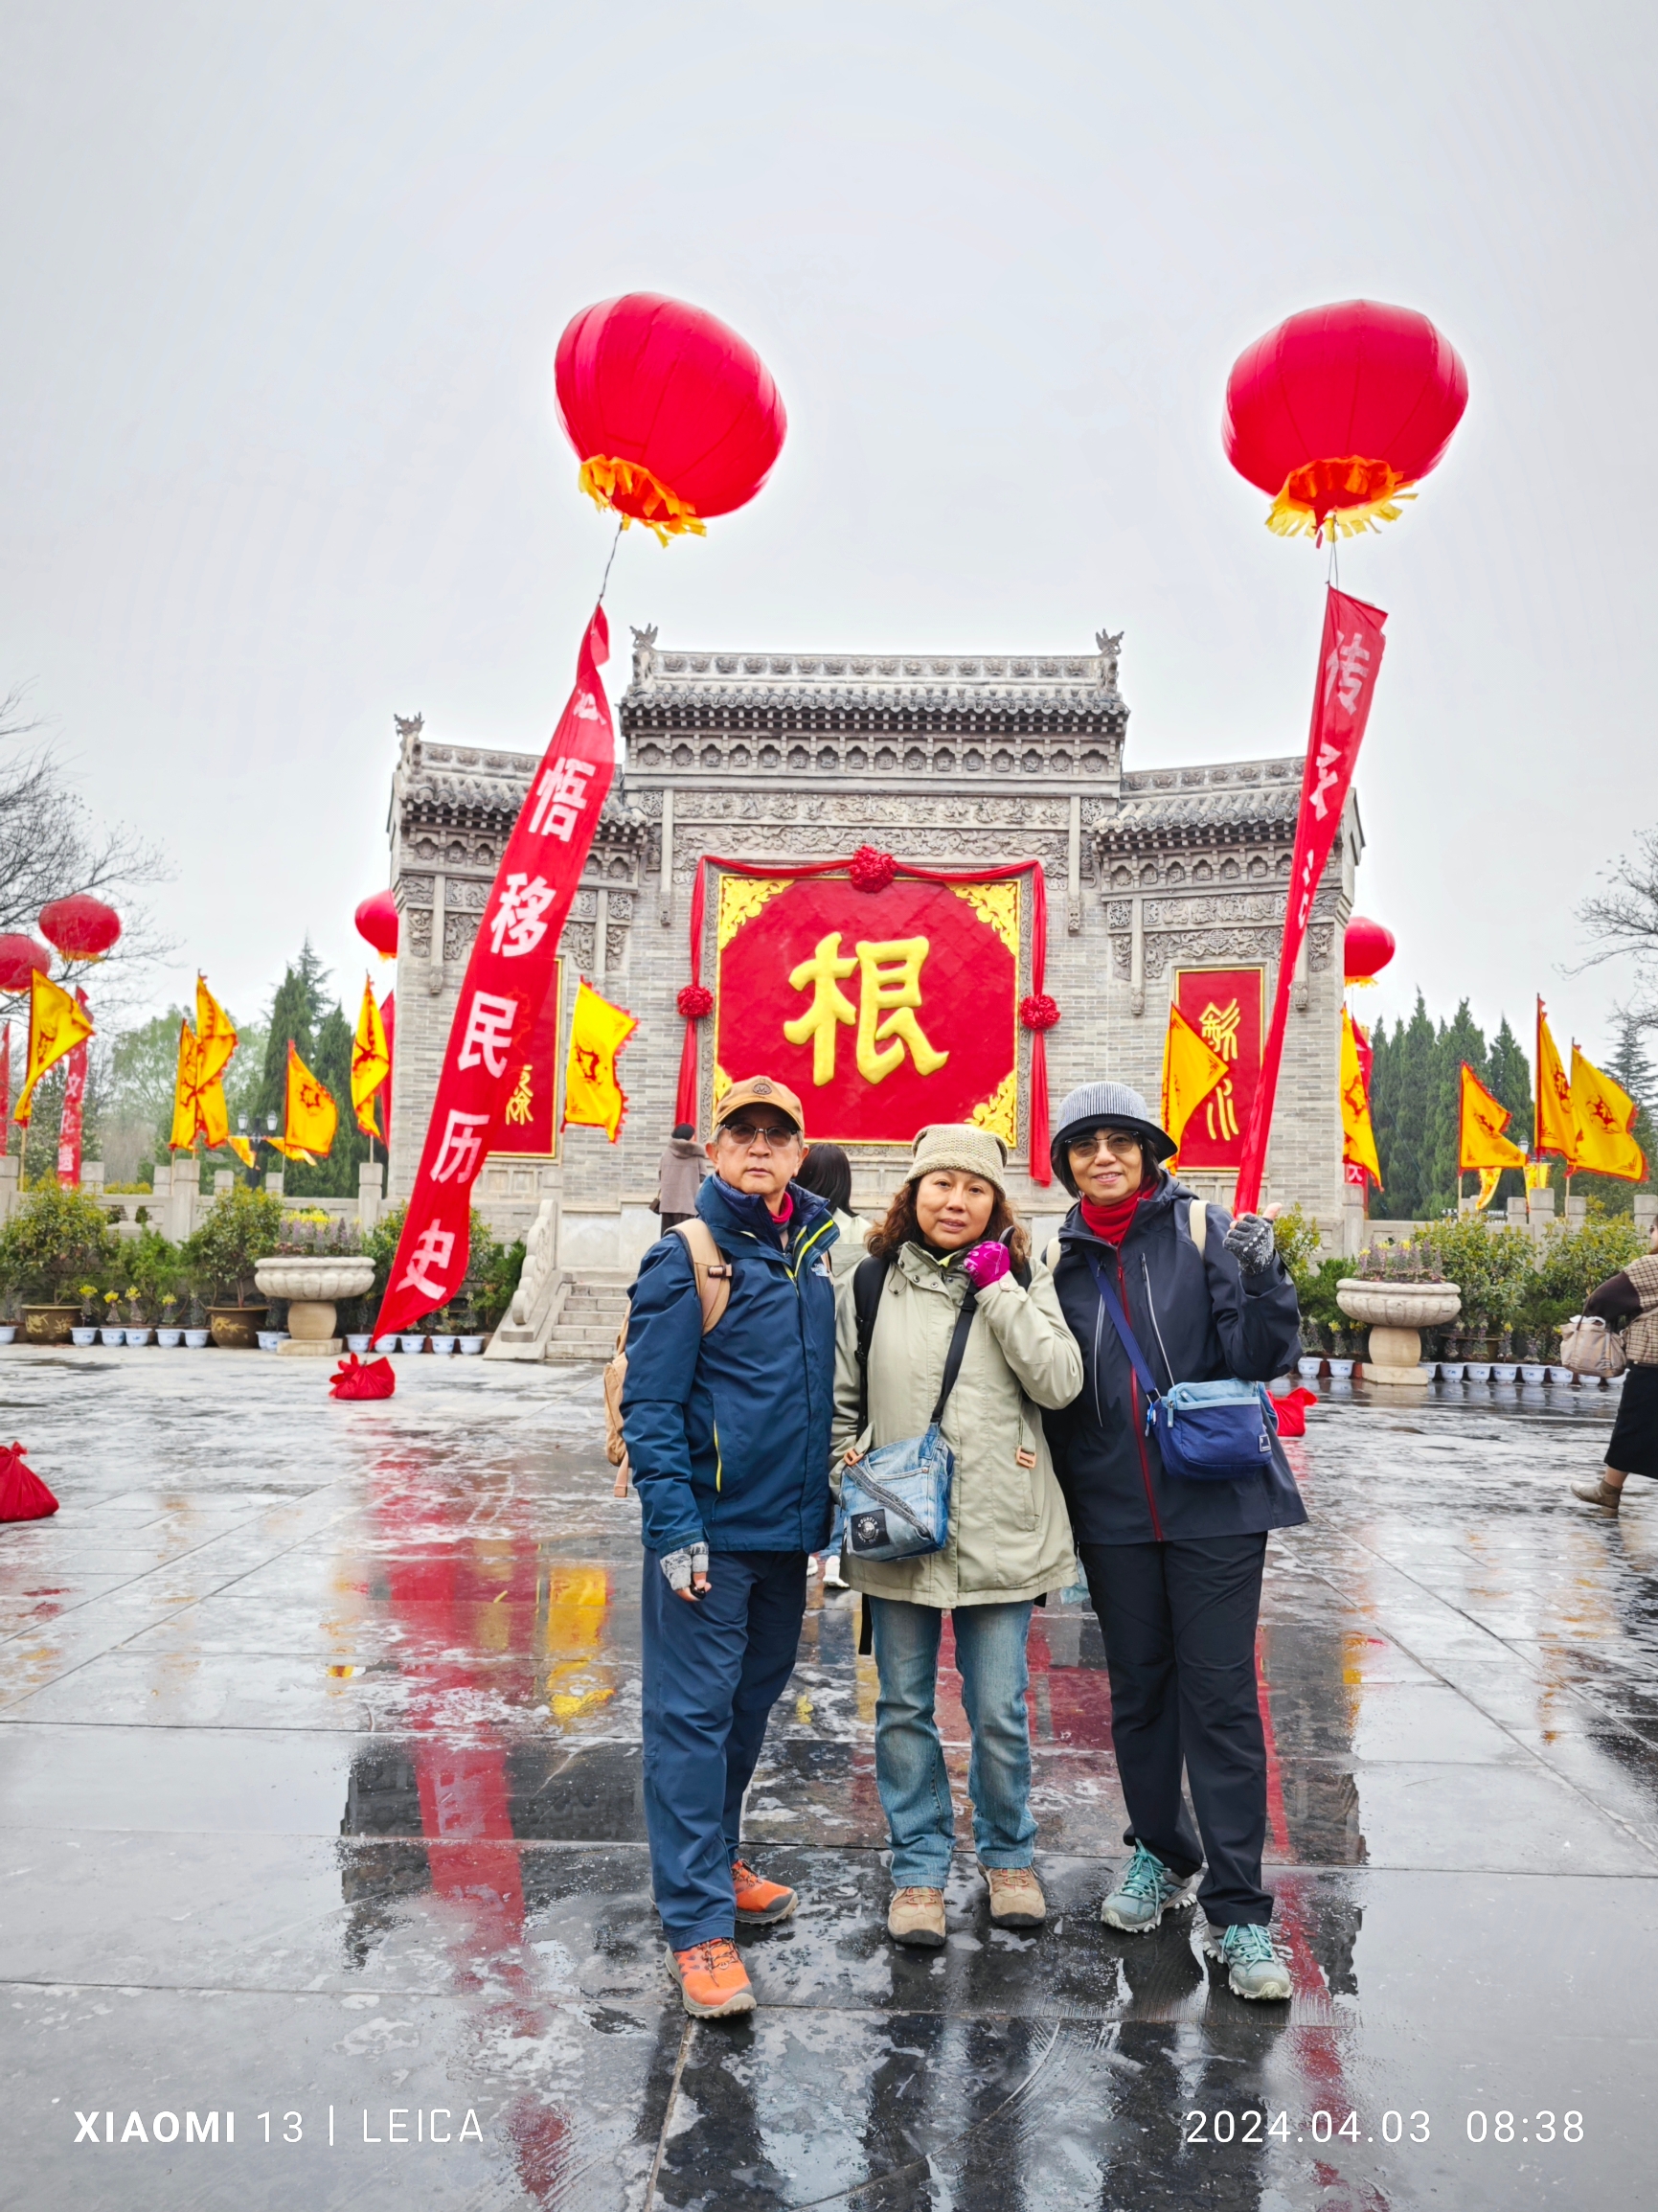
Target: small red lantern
[695, 1002]
[1339, 410]
[674, 415]
[870, 869]
[20, 958]
[1366, 949]
[377, 924]
[81, 928]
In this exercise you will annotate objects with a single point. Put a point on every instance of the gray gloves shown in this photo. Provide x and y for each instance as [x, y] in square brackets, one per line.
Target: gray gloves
[1251, 1243]
[679, 1566]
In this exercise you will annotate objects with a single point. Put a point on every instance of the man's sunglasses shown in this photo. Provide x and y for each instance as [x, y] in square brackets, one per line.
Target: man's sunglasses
[749, 1133]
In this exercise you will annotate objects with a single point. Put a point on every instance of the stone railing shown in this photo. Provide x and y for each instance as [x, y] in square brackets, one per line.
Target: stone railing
[177, 1205]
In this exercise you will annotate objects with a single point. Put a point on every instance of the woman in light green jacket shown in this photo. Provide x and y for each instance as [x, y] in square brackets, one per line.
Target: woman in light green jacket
[951, 1233]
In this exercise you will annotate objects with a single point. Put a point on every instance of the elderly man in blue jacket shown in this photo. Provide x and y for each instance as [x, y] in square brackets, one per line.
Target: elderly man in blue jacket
[728, 1437]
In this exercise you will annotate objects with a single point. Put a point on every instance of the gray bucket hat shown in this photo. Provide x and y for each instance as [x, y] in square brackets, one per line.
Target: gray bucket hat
[960, 1147]
[1095, 1105]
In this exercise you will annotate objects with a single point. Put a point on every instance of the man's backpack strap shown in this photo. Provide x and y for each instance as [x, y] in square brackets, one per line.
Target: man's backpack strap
[713, 1269]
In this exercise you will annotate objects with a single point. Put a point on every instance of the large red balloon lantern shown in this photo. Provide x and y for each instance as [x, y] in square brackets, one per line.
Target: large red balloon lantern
[1339, 411]
[81, 928]
[675, 417]
[1367, 948]
[21, 958]
[377, 924]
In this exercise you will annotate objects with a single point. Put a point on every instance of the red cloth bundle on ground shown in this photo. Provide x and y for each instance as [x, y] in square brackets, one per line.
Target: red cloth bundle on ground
[1292, 1411]
[23, 1496]
[352, 1379]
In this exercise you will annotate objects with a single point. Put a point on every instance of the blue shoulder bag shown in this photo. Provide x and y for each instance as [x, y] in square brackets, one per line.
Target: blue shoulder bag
[1205, 1431]
[896, 1498]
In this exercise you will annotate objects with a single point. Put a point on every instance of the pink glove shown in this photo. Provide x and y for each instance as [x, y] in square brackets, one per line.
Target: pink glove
[986, 1264]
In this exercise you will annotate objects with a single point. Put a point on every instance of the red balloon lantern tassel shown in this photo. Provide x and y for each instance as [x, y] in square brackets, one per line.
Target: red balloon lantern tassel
[1366, 949]
[1339, 411]
[83, 929]
[675, 417]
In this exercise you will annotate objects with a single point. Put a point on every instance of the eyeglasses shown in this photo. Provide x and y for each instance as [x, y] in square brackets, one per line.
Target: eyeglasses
[748, 1134]
[1116, 1142]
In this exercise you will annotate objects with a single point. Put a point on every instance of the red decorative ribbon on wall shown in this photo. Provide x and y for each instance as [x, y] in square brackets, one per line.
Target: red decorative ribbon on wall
[871, 871]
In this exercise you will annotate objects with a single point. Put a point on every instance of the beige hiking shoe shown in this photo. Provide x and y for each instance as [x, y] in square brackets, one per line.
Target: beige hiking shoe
[1598, 1493]
[1016, 1899]
[917, 1917]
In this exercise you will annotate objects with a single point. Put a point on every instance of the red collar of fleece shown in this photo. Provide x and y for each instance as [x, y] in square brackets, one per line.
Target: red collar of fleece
[1113, 1222]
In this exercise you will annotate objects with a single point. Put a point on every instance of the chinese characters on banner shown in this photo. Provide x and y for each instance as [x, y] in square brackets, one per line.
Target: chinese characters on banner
[529, 1127]
[883, 1010]
[509, 975]
[69, 1134]
[1350, 659]
[1226, 1006]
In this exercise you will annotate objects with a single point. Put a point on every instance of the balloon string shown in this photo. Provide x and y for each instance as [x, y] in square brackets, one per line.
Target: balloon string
[606, 577]
[1334, 560]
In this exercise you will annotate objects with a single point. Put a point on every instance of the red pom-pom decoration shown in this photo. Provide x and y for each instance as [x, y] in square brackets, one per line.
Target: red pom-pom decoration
[1039, 1011]
[695, 1002]
[23, 1496]
[82, 929]
[673, 415]
[1340, 410]
[20, 958]
[352, 1379]
[377, 924]
[871, 869]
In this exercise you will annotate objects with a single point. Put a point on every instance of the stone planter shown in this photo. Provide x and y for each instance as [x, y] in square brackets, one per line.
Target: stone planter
[1395, 1314]
[237, 1327]
[49, 1324]
[313, 1285]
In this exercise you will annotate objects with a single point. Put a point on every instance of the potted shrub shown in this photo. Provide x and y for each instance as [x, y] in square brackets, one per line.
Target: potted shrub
[243, 1227]
[49, 1247]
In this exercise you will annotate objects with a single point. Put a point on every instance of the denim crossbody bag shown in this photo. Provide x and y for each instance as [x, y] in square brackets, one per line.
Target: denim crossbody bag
[896, 1498]
[1205, 1431]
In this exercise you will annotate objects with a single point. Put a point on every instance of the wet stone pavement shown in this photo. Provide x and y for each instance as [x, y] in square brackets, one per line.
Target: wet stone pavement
[319, 1801]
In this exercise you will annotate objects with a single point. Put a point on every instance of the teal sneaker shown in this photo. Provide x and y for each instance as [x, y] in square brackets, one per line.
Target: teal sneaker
[1147, 1891]
[1254, 1968]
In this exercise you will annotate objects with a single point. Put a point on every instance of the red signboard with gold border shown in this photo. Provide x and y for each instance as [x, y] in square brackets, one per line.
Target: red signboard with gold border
[885, 1009]
[1227, 1008]
[529, 1121]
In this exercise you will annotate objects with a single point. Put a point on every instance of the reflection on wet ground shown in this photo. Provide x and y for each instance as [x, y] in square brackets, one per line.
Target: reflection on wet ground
[320, 1806]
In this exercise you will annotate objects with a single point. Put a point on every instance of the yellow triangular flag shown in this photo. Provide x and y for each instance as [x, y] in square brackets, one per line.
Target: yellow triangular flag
[1480, 1125]
[312, 1117]
[1603, 1120]
[1490, 1178]
[594, 1098]
[186, 1092]
[1191, 1070]
[243, 1149]
[57, 1025]
[371, 1062]
[215, 1036]
[1357, 1131]
[1553, 1131]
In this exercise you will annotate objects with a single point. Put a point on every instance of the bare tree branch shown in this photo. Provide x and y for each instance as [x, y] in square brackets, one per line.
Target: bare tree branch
[1623, 919]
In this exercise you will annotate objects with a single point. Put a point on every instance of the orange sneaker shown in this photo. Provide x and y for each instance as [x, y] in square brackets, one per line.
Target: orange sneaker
[760, 1904]
[712, 1982]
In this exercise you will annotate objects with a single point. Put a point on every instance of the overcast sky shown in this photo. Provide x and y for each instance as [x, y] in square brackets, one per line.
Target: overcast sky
[280, 291]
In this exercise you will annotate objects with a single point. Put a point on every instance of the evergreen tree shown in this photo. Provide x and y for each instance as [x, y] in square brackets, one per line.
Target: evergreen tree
[1404, 1165]
[1629, 1064]
[337, 1176]
[1384, 1109]
[296, 1015]
[1509, 1078]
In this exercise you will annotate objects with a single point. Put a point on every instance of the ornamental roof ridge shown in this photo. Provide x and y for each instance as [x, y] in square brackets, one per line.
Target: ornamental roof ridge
[810, 673]
[869, 696]
[1214, 776]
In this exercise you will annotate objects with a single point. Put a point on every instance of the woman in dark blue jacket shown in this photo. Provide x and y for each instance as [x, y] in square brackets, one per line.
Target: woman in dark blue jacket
[1173, 1564]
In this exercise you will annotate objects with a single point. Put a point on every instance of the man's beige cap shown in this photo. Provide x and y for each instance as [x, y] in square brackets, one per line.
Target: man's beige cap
[761, 1091]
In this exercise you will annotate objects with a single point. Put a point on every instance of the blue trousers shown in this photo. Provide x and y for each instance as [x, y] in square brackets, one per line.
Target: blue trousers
[910, 1772]
[713, 1672]
[1178, 1620]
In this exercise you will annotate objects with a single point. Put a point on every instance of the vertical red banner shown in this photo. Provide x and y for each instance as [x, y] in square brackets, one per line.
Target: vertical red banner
[73, 1124]
[509, 972]
[1349, 659]
[4, 1091]
[1227, 1007]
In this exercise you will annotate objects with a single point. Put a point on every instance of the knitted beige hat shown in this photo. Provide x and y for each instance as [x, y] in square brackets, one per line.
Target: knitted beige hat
[961, 1149]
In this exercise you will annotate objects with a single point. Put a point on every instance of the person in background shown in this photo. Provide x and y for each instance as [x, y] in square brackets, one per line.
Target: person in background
[728, 1439]
[679, 1177]
[1173, 1564]
[1629, 1300]
[830, 1173]
[951, 1236]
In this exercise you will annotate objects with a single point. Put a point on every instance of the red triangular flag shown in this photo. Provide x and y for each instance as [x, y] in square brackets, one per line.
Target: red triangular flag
[23, 1496]
[352, 1379]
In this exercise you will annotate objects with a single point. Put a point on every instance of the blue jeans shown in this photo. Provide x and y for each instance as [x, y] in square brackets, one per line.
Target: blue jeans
[713, 1672]
[910, 1772]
